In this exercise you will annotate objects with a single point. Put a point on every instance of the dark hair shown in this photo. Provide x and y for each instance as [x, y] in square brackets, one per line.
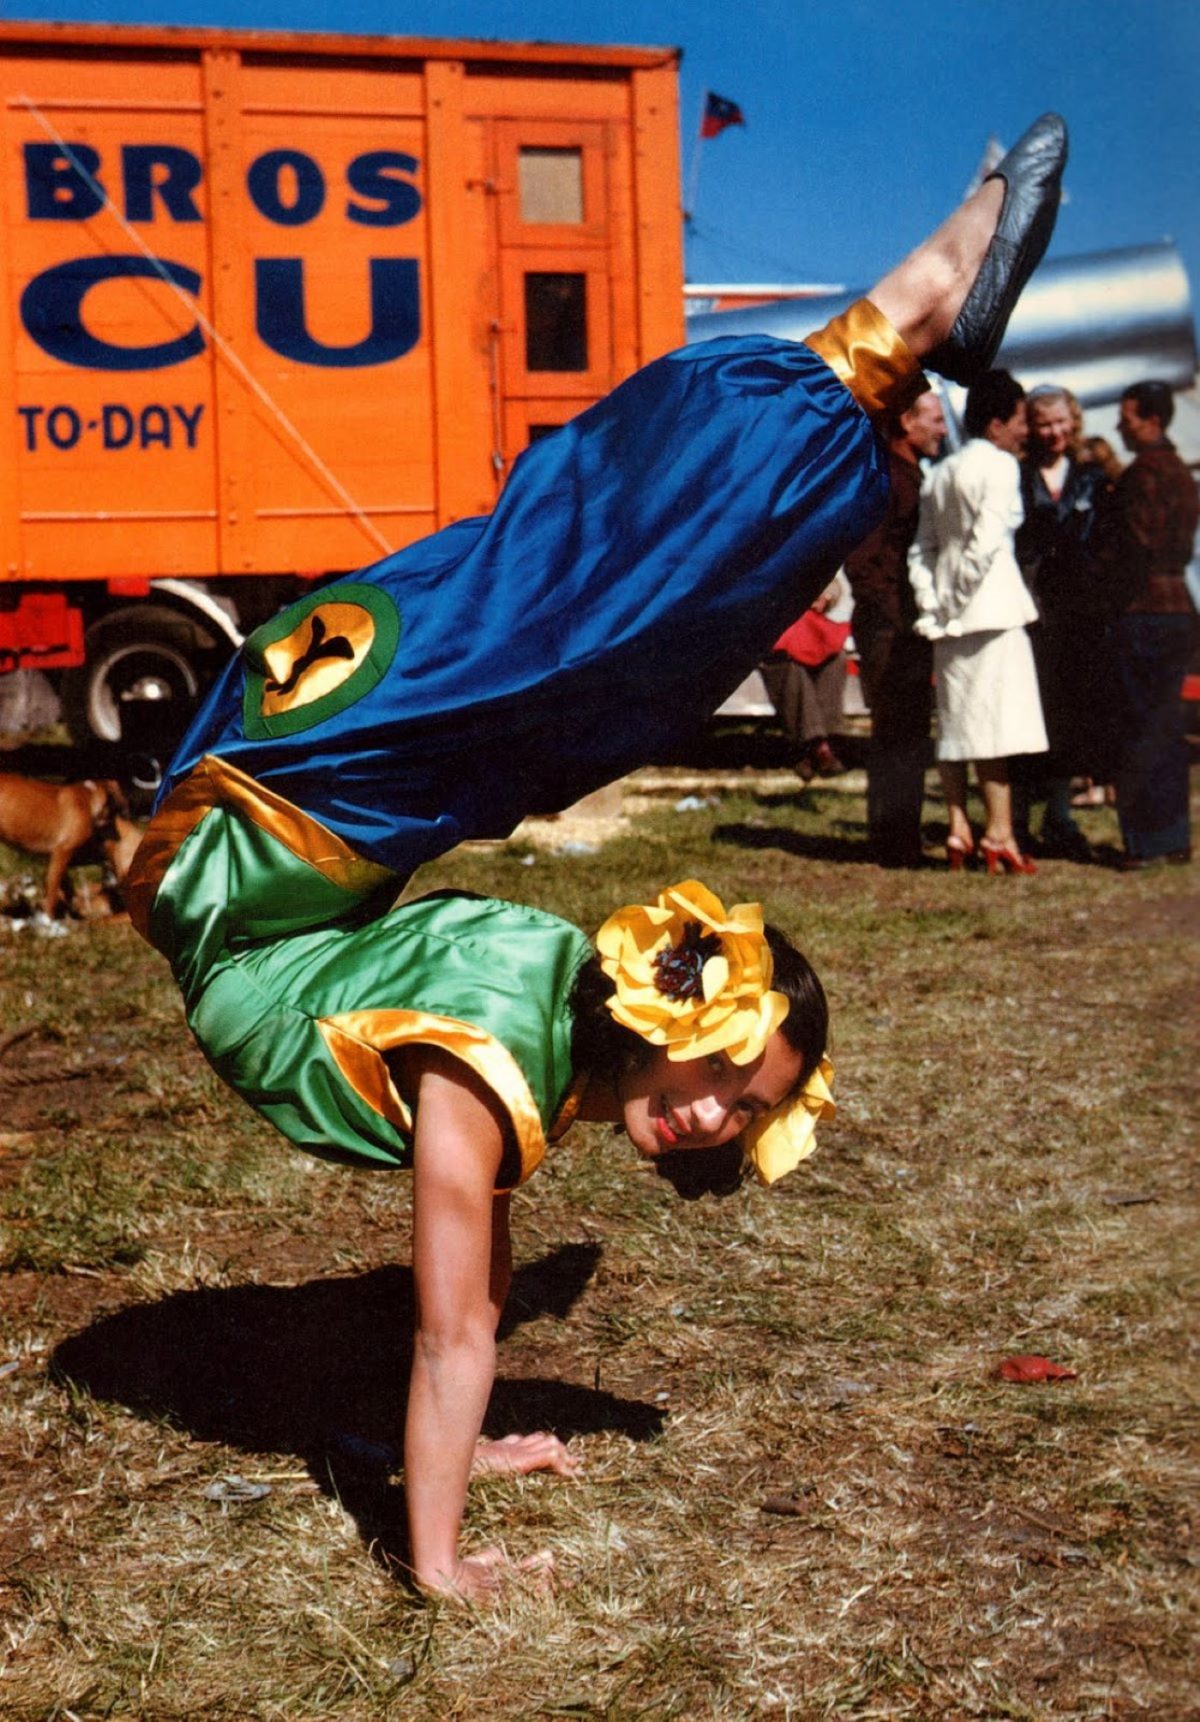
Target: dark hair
[604, 1047]
[892, 421]
[1098, 451]
[1153, 400]
[806, 1025]
[994, 395]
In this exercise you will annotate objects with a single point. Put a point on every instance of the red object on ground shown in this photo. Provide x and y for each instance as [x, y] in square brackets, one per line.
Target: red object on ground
[1030, 1368]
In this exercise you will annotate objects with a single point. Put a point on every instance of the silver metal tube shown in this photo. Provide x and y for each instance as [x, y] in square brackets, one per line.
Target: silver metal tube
[1094, 323]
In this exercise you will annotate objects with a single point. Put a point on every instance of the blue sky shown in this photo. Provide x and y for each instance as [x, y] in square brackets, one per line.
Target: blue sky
[865, 117]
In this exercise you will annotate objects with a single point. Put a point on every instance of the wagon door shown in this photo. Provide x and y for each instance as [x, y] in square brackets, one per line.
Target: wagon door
[566, 330]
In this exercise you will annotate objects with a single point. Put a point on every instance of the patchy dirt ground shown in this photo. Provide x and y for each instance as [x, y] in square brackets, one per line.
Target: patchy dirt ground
[806, 1493]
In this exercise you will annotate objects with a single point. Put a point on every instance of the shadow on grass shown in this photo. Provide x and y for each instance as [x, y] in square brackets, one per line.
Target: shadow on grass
[810, 846]
[321, 1370]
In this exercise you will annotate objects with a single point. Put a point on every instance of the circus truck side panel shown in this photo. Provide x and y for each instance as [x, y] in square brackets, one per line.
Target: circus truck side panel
[275, 304]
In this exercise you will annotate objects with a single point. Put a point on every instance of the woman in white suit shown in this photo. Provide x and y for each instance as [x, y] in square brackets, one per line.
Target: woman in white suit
[974, 605]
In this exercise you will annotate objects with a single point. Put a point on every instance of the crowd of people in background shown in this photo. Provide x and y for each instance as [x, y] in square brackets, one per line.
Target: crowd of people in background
[1034, 585]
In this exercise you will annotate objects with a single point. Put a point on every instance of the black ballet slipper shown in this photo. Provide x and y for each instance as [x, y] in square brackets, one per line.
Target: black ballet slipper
[1032, 174]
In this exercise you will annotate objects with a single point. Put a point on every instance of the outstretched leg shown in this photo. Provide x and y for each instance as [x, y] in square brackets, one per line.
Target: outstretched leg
[922, 297]
[638, 565]
[952, 298]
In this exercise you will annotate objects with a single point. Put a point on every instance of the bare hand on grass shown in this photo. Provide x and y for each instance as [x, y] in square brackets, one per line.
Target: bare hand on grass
[482, 1577]
[517, 1455]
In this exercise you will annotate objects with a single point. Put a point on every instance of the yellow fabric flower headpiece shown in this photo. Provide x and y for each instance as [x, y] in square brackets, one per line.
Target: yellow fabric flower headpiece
[691, 977]
[776, 1144]
[695, 978]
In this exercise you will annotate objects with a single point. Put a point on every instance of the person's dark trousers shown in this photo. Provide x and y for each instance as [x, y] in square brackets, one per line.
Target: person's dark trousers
[896, 669]
[1152, 781]
[807, 700]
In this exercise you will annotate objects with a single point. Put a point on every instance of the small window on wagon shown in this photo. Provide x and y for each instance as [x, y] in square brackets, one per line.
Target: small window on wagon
[551, 186]
[556, 322]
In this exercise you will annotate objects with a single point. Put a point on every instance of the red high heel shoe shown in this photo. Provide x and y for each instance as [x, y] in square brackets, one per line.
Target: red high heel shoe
[959, 851]
[1005, 857]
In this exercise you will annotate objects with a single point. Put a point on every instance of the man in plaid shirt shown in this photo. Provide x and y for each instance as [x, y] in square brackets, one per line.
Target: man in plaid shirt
[1152, 526]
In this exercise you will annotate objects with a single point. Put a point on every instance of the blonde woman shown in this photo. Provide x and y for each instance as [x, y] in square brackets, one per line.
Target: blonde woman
[1063, 499]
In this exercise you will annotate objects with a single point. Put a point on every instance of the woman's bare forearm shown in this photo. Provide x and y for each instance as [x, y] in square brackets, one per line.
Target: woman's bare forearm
[460, 1257]
[448, 1396]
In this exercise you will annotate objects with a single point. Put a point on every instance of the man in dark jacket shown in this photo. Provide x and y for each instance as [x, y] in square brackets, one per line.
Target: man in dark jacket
[896, 665]
[1152, 527]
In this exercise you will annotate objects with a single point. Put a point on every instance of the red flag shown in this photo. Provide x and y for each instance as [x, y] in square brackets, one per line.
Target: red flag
[719, 113]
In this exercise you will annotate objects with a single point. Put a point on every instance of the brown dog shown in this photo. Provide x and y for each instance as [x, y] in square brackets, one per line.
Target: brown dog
[57, 820]
[103, 901]
[121, 846]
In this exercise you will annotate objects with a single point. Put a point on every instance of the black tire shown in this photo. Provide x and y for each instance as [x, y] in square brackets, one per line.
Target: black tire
[146, 667]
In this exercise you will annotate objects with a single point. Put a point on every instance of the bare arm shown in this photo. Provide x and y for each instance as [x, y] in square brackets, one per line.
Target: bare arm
[462, 1264]
[459, 1141]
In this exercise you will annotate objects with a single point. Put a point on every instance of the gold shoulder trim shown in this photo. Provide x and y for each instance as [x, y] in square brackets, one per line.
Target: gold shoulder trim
[179, 814]
[216, 783]
[358, 1039]
[569, 1110]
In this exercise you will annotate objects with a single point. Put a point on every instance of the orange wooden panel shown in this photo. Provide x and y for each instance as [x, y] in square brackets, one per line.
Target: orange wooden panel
[341, 444]
[463, 302]
[525, 419]
[513, 136]
[314, 46]
[658, 199]
[10, 213]
[71, 81]
[103, 436]
[337, 87]
[233, 304]
[513, 96]
[623, 252]
[337, 362]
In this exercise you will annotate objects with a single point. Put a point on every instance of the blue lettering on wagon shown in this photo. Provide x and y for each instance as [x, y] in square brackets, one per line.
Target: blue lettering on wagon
[159, 181]
[65, 184]
[52, 312]
[114, 426]
[395, 313]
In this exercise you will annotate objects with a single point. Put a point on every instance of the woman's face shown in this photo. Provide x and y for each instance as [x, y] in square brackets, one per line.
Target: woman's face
[702, 1102]
[1050, 428]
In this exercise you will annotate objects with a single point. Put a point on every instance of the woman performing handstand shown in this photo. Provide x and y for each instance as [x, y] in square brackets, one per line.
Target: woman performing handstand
[638, 565]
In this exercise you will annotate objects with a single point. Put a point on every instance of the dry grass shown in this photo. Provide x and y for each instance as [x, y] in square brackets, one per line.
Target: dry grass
[187, 1299]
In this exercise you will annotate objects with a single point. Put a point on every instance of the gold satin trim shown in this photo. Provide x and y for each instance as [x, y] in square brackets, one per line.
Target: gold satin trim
[177, 816]
[216, 783]
[358, 1039]
[569, 1110]
[863, 350]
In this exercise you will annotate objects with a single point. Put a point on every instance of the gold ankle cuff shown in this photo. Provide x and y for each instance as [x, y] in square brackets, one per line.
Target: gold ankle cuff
[865, 352]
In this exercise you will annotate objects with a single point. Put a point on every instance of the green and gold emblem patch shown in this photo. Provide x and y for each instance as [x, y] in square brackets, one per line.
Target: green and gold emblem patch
[316, 658]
